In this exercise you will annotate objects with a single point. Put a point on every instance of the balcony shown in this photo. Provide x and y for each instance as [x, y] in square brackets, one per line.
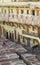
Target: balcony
[21, 18]
[3, 17]
[27, 19]
[32, 34]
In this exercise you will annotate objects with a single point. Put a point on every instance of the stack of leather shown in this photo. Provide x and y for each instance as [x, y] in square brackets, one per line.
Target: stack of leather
[30, 59]
[8, 56]
[19, 49]
[13, 62]
[18, 62]
[10, 59]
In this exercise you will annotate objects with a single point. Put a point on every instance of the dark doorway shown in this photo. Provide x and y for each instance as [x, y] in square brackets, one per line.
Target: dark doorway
[10, 35]
[14, 35]
[18, 38]
[33, 12]
[28, 42]
[6, 35]
[39, 32]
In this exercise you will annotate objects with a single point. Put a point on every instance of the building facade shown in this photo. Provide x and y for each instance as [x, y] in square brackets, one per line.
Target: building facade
[20, 22]
[19, 0]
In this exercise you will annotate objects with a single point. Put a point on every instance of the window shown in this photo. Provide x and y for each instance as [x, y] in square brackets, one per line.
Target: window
[2, 10]
[5, 11]
[33, 28]
[11, 10]
[13, 0]
[33, 12]
[12, 16]
[3, 22]
[22, 11]
[27, 11]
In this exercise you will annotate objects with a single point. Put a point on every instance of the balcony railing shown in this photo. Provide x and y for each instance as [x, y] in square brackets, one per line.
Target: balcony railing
[32, 34]
[21, 18]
